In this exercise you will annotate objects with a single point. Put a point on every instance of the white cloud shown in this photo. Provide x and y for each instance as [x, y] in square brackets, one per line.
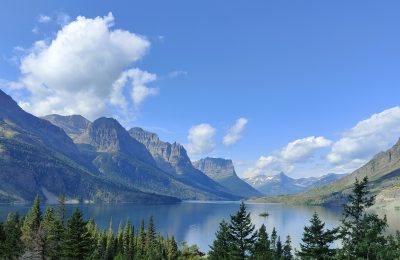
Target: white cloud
[367, 138]
[44, 18]
[235, 132]
[296, 152]
[302, 149]
[85, 68]
[201, 139]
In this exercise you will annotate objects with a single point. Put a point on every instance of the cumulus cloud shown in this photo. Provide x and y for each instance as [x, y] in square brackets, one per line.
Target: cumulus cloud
[44, 18]
[85, 69]
[367, 138]
[201, 139]
[235, 132]
[296, 152]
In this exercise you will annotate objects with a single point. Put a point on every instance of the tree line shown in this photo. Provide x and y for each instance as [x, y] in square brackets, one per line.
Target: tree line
[52, 236]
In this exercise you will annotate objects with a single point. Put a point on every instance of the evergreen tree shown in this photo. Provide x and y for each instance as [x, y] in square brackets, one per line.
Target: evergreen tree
[241, 233]
[77, 240]
[31, 225]
[287, 249]
[61, 209]
[172, 249]
[2, 241]
[317, 240]
[151, 246]
[53, 231]
[361, 232]
[274, 237]
[110, 242]
[141, 242]
[119, 240]
[262, 245]
[222, 246]
[279, 248]
[128, 240]
[12, 246]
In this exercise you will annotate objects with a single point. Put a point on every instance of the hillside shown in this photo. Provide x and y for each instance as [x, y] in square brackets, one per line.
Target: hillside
[37, 157]
[383, 171]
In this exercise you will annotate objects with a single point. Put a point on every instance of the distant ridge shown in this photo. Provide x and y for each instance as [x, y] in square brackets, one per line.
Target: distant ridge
[383, 171]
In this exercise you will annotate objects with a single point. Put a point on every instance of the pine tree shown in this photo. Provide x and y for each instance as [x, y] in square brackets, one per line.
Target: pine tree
[31, 225]
[317, 240]
[241, 233]
[61, 209]
[287, 249]
[221, 247]
[12, 246]
[172, 249]
[262, 245]
[274, 237]
[141, 242]
[77, 241]
[2, 241]
[361, 232]
[54, 232]
[110, 242]
[151, 246]
[128, 241]
[119, 240]
[279, 248]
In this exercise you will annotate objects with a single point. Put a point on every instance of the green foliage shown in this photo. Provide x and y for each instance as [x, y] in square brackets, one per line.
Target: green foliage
[222, 246]
[262, 246]
[317, 240]
[54, 232]
[31, 225]
[77, 240]
[241, 233]
[361, 232]
[11, 245]
[190, 252]
[287, 249]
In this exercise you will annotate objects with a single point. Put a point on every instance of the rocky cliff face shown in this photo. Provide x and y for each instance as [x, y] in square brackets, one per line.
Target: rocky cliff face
[108, 136]
[223, 172]
[73, 125]
[173, 159]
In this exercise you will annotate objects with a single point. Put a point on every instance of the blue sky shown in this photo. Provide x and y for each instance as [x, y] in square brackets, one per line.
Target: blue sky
[315, 83]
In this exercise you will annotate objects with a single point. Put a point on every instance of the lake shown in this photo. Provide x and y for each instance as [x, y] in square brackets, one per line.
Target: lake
[196, 222]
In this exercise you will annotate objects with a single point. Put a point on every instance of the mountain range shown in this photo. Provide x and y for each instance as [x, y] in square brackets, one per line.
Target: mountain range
[94, 161]
[383, 172]
[282, 184]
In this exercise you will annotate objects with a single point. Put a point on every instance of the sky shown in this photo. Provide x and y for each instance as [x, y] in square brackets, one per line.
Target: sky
[303, 87]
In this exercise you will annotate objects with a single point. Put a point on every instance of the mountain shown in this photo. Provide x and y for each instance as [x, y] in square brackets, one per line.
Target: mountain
[73, 125]
[383, 172]
[282, 184]
[173, 158]
[120, 158]
[37, 157]
[223, 172]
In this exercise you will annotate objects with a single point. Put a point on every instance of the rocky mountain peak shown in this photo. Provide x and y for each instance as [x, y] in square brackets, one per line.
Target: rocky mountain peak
[216, 167]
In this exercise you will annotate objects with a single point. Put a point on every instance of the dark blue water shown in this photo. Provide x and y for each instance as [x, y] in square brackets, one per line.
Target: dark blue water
[197, 222]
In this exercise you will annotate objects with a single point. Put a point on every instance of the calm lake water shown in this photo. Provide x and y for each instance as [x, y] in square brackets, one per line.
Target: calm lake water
[197, 222]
